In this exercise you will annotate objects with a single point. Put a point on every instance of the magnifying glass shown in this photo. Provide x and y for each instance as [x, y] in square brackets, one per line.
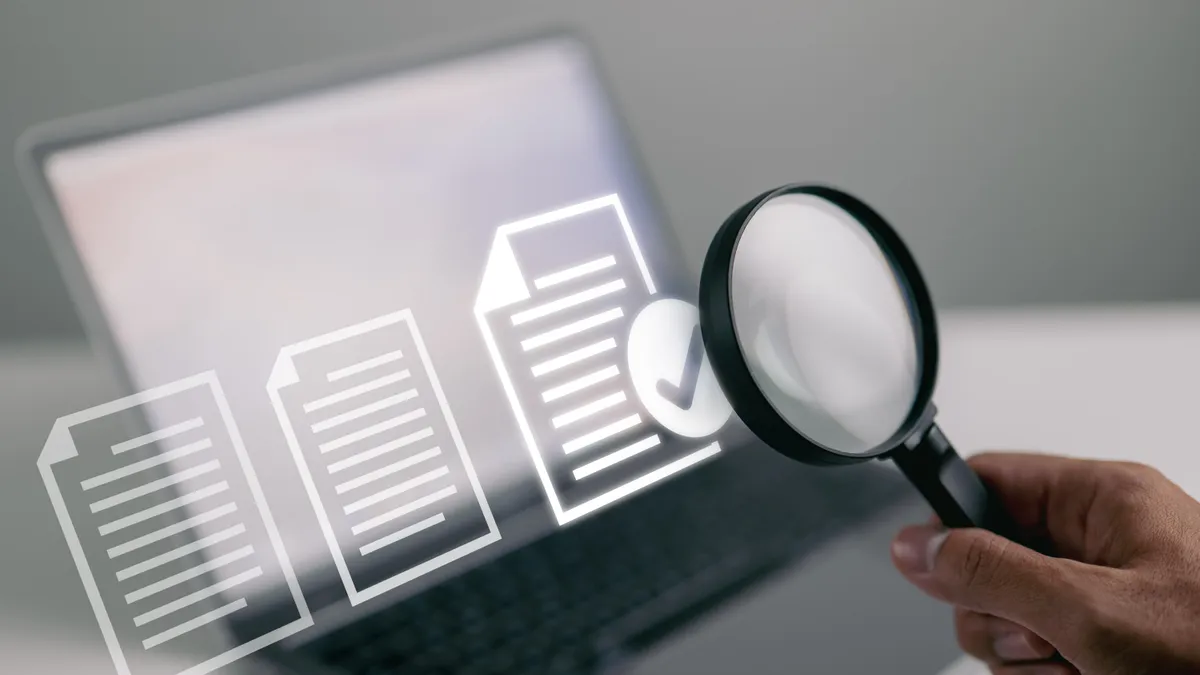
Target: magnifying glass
[821, 333]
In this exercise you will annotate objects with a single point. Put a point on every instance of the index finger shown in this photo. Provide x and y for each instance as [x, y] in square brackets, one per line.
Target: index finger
[1047, 495]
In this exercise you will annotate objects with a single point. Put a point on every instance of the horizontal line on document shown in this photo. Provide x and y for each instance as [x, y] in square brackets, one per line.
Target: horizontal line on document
[192, 624]
[363, 366]
[373, 430]
[546, 309]
[574, 272]
[368, 455]
[623, 490]
[574, 328]
[176, 579]
[177, 553]
[388, 470]
[588, 409]
[403, 510]
[357, 390]
[363, 411]
[165, 507]
[603, 433]
[580, 383]
[398, 535]
[193, 598]
[616, 457]
[160, 435]
[137, 467]
[560, 362]
[397, 489]
[155, 485]
[171, 530]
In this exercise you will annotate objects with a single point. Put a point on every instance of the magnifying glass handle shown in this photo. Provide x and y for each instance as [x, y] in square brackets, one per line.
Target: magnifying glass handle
[956, 493]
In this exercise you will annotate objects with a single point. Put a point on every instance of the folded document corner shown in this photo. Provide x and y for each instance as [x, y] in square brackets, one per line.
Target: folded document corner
[283, 373]
[503, 283]
[59, 444]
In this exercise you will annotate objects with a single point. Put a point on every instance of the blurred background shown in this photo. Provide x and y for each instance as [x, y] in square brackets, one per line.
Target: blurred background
[1038, 157]
[1031, 152]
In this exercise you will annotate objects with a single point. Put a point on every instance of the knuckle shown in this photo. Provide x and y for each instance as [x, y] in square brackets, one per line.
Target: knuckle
[1132, 484]
[981, 560]
[1137, 474]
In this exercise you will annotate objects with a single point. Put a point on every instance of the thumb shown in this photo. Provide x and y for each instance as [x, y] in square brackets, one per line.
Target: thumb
[984, 572]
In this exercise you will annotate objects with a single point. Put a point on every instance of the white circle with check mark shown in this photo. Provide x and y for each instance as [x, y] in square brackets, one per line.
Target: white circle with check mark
[671, 372]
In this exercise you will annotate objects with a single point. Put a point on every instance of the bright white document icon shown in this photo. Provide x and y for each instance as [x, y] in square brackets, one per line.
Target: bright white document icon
[558, 298]
[380, 454]
[169, 529]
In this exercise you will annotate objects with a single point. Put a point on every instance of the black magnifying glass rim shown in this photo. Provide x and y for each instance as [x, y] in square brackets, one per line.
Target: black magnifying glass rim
[729, 362]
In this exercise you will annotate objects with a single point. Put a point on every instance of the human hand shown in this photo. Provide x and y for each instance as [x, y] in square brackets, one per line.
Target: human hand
[1120, 597]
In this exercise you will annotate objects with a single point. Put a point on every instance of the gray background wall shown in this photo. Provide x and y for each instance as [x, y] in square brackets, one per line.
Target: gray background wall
[1031, 150]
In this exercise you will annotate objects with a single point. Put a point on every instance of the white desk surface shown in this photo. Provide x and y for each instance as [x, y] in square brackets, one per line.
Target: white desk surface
[1114, 383]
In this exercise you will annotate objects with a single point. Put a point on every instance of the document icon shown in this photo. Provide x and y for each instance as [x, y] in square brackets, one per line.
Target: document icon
[379, 453]
[169, 530]
[560, 297]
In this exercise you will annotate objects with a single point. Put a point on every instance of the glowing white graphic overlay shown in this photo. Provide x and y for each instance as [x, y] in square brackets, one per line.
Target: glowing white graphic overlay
[556, 303]
[169, 530]
[379, 452]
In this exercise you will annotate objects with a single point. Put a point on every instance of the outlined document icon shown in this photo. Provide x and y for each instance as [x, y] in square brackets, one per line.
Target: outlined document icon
[169, 530]
[559, 296]
[380, 454]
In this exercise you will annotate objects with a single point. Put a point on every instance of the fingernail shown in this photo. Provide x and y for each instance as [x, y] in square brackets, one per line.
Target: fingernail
[1014, 647]
[915, 549]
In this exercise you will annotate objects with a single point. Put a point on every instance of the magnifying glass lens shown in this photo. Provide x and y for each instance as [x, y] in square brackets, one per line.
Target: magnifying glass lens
[821, 332]
[825, 326]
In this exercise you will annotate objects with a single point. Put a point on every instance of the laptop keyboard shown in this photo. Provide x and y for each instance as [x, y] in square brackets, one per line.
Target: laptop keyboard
[578, 600]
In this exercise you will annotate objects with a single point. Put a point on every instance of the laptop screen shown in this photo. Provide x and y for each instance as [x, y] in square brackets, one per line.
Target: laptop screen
[433, 300]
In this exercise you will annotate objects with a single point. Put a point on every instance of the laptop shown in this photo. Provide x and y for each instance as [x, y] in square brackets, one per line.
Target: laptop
[453, 339]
